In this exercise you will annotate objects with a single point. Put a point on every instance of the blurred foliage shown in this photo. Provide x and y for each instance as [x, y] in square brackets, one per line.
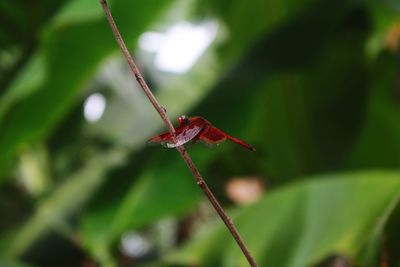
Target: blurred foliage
[341, 228]
[313, 85]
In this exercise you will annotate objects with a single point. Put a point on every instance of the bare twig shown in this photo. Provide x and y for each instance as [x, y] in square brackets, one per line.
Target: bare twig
[199, 180]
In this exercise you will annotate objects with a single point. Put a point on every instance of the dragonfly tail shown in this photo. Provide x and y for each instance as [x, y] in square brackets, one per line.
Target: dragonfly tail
[242, 143]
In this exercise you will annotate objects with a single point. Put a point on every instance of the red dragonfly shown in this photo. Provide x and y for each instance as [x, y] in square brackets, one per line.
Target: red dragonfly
[196, 129]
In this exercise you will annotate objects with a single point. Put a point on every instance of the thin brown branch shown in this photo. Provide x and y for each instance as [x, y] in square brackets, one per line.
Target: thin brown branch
[199, 180]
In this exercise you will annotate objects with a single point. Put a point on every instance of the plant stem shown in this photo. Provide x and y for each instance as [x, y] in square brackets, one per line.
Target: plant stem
[199, 180]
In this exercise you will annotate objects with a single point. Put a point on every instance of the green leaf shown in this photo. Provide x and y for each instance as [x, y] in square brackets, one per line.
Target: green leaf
[247, 22]
[301, 224]
[66, 72]
[278, 97]
[384, 16]
[69, 197]
[156, 192]
[378, 145]
[12, 263]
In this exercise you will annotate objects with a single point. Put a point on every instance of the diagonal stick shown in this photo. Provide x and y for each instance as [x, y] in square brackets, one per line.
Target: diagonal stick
[199, 180]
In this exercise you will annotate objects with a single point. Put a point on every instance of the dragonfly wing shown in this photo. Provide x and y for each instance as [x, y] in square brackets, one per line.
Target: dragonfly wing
[212, 135]
[185, 135]
[160, 138]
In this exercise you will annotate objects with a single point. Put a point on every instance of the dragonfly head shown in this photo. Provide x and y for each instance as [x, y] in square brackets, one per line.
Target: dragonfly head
[182, 120]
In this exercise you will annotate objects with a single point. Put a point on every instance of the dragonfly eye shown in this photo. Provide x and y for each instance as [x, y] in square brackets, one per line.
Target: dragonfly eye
[182, 120]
